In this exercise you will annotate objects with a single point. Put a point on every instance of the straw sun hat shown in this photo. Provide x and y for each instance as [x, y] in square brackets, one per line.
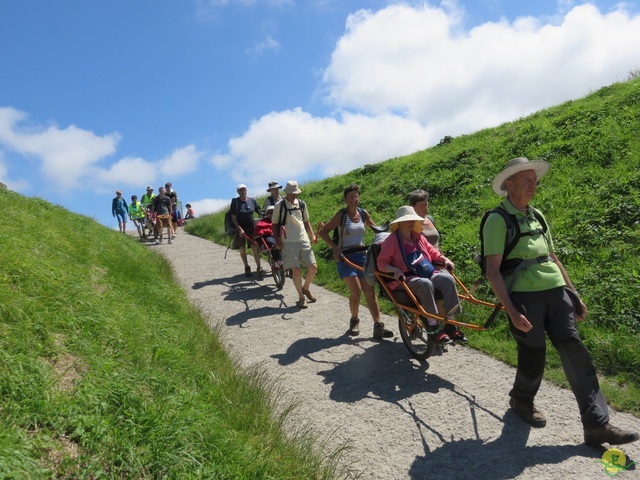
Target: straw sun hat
[517, 165]
[407, 214]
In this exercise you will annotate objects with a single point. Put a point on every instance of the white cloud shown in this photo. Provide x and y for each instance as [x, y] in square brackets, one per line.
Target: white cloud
[209, 205]
[293, 142]
[181, 161]
[16, 186]
[66, 154]
[417, 60]
[128, 171]
[402, 78]
[72, 157]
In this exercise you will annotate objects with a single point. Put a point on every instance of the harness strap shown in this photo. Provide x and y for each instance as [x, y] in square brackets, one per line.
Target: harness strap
[521, 266]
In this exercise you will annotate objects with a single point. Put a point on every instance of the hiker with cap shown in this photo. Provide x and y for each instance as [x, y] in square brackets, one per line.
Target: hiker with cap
[120, 210]
[408, 255]
[138, 214]
[243, 209]
[274, 195]
[351, 223]
[539, 297]
[147, 200]
[292, 214]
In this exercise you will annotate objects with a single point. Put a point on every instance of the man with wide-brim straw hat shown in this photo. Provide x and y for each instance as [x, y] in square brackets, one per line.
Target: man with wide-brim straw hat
[539, 297]
[520, 164]
[407, 255]
[274, 195]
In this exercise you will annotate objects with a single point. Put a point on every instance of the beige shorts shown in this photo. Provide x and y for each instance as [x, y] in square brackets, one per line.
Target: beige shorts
[296, 254]
[164, 221]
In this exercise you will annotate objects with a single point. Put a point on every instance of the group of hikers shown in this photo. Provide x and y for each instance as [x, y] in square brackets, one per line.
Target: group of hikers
[518, 256]
[152, 213]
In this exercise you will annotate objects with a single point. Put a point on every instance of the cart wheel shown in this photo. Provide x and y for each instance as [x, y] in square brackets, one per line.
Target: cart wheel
[414, 336]
[277, 271]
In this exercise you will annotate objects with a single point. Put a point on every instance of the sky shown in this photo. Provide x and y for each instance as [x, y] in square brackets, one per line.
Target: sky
[100, 96]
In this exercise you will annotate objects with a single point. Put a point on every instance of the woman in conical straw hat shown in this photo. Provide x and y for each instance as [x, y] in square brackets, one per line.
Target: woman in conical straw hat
[410, 257]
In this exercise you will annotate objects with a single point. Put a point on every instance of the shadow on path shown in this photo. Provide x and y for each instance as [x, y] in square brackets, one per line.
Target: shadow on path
[505, 457]
[235, 279]
[383, 371]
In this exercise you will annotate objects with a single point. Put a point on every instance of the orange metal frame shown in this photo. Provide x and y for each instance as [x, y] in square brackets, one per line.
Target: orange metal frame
[417, 308]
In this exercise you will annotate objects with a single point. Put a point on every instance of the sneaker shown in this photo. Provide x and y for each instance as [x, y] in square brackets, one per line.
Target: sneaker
[443, 338]
[457, 336]
[309, 295]
[380, 332]
[527, 411]
[302, 303]
[260, 272]
[160, 240]
[608, 434]
[169, 242]
[247, 270]
[354, 326]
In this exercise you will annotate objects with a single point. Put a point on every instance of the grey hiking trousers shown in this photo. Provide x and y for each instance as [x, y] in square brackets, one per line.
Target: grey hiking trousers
[551, 312]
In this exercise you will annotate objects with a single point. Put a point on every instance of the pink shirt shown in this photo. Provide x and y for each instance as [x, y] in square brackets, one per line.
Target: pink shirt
[390, 254]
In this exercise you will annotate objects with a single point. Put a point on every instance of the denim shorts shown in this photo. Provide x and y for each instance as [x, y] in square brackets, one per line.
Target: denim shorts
[345, 270]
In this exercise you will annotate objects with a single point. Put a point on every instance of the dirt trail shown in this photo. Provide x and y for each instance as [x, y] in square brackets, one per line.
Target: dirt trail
[445, 418]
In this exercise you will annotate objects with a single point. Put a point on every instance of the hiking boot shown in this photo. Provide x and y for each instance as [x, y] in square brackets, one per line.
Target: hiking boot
[309, 295]
[354, 326]
[527, 411]
[380, 332]
[247, 270]
[608, 434]
[260, 272]
[302, 303]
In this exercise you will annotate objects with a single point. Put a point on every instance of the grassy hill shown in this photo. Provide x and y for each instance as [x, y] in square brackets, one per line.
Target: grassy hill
[107, 371]
[591, 199]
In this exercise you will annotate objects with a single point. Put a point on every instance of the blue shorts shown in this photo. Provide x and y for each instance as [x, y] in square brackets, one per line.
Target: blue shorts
[345, 270]
[122, 216]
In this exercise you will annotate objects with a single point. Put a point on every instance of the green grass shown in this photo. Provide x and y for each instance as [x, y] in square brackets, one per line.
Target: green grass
[591, 199]
[107, 371]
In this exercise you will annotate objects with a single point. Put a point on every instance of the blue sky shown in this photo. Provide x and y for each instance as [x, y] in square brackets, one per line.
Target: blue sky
[100, 96]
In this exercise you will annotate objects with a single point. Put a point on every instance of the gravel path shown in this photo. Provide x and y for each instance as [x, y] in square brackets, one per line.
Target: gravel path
[445, 418]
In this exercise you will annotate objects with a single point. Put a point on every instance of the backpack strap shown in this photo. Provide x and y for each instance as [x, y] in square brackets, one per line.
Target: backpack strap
[284, 211]
[410, 270]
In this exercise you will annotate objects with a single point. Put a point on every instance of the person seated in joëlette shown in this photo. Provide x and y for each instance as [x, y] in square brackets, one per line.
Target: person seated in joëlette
[264, 229]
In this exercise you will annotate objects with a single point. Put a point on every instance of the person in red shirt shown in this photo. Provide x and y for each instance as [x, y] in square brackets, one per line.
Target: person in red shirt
[264, 229]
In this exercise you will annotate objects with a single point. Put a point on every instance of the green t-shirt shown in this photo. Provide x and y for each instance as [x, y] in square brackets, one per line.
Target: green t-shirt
[534, 278]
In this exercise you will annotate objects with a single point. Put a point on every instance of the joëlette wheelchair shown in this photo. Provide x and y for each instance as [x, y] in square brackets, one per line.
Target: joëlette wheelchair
[416, 333]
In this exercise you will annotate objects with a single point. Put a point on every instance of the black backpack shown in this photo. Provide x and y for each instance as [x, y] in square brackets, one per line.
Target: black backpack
[229, 227]
[512, 237]
[343, 219]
